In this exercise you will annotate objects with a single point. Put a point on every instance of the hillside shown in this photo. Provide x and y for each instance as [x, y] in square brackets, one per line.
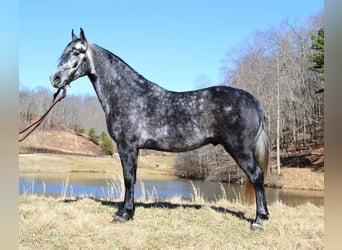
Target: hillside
[58, 139]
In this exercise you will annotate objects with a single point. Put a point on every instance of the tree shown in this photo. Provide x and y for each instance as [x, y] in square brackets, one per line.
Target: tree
[93, 137]
[80, 131]
[317, 58]
[106, 143]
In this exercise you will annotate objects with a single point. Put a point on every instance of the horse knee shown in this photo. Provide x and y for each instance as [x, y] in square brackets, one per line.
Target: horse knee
[257, 176]
[254, 174]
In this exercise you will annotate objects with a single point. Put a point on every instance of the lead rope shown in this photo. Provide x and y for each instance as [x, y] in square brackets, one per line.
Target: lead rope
[39, 121]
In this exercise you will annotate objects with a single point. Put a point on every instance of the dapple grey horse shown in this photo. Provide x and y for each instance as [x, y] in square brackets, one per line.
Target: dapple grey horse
[142, 115]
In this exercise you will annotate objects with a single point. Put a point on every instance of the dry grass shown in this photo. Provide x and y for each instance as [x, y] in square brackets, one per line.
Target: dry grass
[49, 223]
[148, 166]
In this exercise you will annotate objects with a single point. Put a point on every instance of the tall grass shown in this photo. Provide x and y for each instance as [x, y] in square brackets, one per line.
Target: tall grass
[115, 188]
[196, 195]
[26, 191]
[65, 187]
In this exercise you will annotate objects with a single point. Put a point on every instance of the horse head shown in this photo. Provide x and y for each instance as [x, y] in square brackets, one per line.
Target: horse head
[74, 62]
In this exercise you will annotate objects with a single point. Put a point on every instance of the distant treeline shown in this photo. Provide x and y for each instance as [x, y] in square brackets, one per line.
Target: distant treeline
[76, 111]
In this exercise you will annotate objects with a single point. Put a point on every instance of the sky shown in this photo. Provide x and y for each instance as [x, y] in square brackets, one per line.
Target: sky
[172, 43]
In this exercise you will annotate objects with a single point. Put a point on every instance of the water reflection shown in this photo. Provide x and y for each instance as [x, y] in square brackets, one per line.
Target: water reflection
[107, 185]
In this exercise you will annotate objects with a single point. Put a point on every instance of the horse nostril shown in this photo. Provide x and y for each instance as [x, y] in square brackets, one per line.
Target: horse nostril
[57, 79]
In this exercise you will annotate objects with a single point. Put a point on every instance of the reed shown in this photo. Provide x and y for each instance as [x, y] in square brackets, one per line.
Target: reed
[65, 188]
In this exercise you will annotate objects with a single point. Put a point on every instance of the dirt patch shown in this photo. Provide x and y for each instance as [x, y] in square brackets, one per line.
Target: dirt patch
[303, 178]
[297, 178]
[299, 170]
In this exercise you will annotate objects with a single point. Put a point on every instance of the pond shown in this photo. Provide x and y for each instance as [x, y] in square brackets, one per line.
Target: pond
[107, 185]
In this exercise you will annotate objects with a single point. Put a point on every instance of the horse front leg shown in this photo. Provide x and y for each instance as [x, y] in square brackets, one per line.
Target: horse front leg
[128, 157]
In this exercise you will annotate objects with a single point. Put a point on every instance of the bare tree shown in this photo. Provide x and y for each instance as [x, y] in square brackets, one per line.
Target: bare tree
[274, 67]
[74, 111]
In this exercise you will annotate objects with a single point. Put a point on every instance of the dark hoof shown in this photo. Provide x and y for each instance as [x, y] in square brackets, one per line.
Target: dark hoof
[265, 216]
[122, 216]
[118, 220]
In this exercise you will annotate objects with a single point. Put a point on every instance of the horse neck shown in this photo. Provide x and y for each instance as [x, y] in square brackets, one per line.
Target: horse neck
[115, 81]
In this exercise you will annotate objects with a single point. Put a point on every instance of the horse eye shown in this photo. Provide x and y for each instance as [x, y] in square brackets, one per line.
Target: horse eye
[76, 53]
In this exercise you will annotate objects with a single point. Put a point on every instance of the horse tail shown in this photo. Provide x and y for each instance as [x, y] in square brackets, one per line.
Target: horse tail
[261, 153]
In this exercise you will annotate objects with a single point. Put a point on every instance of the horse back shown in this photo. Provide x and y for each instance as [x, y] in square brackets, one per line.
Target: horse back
[178, 121]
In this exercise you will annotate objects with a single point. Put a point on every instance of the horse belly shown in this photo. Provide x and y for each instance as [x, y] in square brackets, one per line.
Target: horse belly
[177, 139]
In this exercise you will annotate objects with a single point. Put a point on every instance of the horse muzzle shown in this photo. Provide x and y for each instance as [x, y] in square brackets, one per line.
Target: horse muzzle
[57, 80]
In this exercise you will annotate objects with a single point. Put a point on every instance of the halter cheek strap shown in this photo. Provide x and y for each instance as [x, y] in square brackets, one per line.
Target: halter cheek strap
[73, 72]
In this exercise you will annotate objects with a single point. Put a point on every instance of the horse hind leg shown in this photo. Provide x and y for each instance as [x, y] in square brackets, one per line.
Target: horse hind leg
[255, 175]
[257, 181]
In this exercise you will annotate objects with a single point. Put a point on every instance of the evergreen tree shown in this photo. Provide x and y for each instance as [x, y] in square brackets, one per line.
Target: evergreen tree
[106, 143]
[318, 56]
[93, 137]
[80, 131]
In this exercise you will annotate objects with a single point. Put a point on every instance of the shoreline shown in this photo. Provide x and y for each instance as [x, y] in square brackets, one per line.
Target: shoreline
[151, 166]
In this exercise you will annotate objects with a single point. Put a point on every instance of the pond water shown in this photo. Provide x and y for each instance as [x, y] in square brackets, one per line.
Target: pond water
[107, 185]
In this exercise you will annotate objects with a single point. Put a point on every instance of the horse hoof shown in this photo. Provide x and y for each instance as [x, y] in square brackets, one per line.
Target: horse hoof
[119, 220]
[257, 227]
[122, 216]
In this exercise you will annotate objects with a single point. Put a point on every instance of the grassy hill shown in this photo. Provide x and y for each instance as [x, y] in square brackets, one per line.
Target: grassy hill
[59, 141]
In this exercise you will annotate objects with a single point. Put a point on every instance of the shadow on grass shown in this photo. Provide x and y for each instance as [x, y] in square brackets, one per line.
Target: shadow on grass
[167, 205]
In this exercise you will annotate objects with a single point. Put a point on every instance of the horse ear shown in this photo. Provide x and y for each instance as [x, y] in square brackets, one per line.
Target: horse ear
[82, 36]
[73, 36]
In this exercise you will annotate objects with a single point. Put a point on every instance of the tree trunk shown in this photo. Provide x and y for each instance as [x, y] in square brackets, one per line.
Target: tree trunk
[278, 117]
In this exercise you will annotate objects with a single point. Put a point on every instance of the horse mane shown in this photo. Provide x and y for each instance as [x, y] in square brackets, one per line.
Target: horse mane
[115, 60]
